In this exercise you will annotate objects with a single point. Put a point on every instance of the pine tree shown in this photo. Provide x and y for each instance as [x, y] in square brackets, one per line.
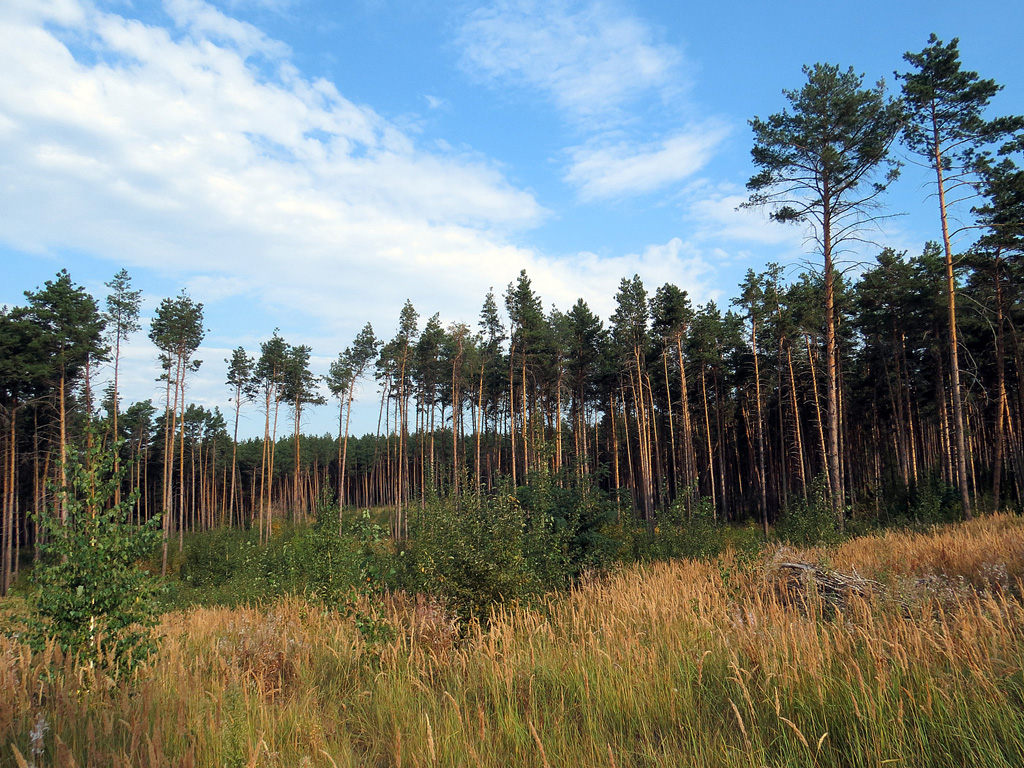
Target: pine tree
[23, 374]
[69, 337]
[268, 382]
[818, 164]
[946, 127]
[177, 331]
[300, 388]
[240, 372]
[344, 374]
[122, 320]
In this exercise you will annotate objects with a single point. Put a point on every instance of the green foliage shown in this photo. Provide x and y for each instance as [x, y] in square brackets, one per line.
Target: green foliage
[469, 551]
[213, 557]
[477, 550]
[92, 597]
[371, 541]
[696, 535]
[934, 501]
[230, 567]
[567, 528]
[679, 532]
[810, 521]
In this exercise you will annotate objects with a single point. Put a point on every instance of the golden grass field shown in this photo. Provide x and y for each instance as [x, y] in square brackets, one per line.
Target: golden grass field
[672, 664]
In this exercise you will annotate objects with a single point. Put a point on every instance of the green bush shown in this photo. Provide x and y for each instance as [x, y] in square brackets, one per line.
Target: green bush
[230, 567]
[933, 501]
[809, 522]
[467, 551]
[213, 557]
[513, 544]
[696, 535]
[92, 596]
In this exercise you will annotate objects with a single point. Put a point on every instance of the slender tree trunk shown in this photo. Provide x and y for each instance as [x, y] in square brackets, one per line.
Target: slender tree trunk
[116, 408]
[170, 414]
[343, 455]
[671, 426]
[512, 412]
[954, 353]
[798, 429]
[835, 472]
[762, 476]
[1001, 405]
[9, 506]
[479, 425]
[689, 451]
[63, 451]
[613, 425]
[234, 458]
[181, 471]
[707, 432]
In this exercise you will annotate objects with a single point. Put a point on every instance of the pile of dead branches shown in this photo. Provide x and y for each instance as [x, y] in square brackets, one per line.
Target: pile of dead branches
[798, 581]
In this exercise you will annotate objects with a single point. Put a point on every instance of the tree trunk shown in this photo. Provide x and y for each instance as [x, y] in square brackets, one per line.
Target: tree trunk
[954, 354]
[762, 477]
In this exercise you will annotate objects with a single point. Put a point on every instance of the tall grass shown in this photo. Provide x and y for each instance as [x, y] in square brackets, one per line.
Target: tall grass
[682, 663]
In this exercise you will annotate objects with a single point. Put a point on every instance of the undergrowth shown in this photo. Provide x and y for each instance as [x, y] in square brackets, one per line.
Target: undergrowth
[689, 662]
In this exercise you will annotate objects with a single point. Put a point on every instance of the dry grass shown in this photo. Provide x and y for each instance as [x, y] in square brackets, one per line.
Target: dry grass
[671, 664]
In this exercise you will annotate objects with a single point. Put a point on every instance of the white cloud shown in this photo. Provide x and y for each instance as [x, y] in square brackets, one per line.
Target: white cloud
[435, 102]
[591, 59]
[201, 156]
[611, 76]
[625, 168]
[596, 278]
[206, 22]
[180, 155]
[718, 215]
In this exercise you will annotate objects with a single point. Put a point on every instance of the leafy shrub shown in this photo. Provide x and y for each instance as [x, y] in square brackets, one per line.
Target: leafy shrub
[476, 550]
[213, 557]
[568, 527]
[92, 597]
[468, 552]
[808, 522]
[696, 535]
[230, 567]
[933, 501]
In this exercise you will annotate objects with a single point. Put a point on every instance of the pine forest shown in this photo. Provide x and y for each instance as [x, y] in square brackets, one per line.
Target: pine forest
[863, 384]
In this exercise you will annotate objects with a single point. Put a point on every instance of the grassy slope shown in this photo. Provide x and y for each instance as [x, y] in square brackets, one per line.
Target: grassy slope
[672, 664]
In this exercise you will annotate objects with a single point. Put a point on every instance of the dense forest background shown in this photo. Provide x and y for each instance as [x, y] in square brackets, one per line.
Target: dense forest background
[871, 387]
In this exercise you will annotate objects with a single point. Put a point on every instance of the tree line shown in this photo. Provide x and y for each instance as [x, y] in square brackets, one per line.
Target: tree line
[864, 385]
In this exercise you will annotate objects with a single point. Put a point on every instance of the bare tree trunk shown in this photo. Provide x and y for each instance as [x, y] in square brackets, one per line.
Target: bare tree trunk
[512, 412]
[798, 429]
[1001, 404]
[689, 451]
[707, 432]
[9, 506]
[762, 479]
[671, 426]
[954, 353]
[833, 463]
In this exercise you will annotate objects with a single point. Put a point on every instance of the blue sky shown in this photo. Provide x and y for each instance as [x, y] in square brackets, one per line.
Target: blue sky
[309, 165]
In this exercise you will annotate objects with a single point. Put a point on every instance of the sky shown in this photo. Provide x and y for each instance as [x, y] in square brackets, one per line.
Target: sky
[310, 165]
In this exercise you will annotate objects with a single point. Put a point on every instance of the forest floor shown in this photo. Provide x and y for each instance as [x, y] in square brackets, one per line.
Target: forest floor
[902, 649]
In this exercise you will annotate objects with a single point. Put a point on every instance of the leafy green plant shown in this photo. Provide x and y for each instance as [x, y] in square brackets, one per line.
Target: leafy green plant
[932, 501]
[810, 521]
[92, 596]
[694, 534]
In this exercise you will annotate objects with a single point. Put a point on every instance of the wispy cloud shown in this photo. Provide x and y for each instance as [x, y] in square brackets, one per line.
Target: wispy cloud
[206, 22]
[183, 153]
[200, 153]
[629, 168]
[591, 59]
[611, 77]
